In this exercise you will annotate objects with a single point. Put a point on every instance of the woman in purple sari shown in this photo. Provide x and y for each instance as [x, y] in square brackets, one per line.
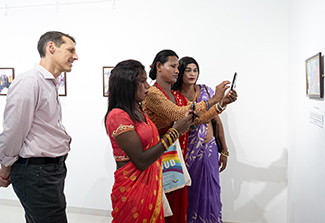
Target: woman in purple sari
[202, 157]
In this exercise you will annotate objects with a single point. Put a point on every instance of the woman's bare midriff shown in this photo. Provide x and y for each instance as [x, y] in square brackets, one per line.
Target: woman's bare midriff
[120, 164]
[210, 133]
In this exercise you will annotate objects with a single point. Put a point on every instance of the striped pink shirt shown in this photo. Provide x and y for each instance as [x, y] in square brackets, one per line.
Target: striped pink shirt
[32, 124]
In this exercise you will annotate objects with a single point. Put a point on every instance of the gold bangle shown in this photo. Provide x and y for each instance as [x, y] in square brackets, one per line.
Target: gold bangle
[226, 154]
[164, 144]
[169, 139]
[173, 134]
[174, 130]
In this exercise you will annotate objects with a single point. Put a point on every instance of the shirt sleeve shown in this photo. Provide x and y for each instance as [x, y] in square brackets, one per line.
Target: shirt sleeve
[119, 122]
[158, 103]
[18, 118]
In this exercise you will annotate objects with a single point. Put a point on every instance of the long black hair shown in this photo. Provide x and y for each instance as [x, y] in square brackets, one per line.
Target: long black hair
[182, 67]
[161, 57]
[122, 87]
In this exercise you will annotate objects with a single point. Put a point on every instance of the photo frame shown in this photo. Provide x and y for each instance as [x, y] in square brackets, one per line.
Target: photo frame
[106, 74]
[314, 76]
[7, 75]
[63, 87]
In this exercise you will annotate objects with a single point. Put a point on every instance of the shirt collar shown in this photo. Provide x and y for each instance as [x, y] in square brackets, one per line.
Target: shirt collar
[45, 73]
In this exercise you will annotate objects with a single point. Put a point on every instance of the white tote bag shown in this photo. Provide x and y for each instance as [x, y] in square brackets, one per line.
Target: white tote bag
[175, 174]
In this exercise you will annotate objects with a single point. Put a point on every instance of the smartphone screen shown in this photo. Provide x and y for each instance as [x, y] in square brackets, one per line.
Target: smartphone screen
[233, 84]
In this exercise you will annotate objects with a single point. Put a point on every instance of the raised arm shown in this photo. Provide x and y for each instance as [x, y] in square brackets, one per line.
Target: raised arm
[129, 141]
[159, 104]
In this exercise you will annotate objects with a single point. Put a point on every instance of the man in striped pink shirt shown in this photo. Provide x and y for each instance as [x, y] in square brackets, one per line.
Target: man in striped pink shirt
[34, 143]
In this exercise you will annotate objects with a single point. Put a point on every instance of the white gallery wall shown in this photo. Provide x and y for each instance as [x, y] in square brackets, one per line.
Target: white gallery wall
[306, 141]
[249, 37]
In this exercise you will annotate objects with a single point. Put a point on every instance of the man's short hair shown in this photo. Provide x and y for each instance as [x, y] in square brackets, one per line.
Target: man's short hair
[52, 36]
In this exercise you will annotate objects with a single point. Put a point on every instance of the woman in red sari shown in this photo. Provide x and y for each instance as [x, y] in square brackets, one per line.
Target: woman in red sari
[165, 106]
[137, 191]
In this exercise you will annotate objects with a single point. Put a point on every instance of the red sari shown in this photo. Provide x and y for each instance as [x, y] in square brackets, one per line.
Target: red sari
[136, 195]
[178, 199]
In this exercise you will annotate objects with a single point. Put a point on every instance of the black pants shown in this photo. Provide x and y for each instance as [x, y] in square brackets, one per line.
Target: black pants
[40, 191]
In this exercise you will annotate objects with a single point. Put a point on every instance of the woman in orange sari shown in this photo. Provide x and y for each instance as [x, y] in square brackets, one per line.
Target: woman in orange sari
[165, 106]
[137, 148]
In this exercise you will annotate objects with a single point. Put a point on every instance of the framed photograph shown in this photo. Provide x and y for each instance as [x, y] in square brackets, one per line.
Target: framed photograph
[63, 87]
[106, 74]
[7, 75]
[314, 76]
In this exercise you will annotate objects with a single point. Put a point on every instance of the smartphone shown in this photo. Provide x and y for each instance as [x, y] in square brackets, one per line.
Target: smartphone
[233, 84]
[193, 106]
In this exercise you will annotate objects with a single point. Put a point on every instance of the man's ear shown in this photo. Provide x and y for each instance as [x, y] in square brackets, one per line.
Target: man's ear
[50, 47]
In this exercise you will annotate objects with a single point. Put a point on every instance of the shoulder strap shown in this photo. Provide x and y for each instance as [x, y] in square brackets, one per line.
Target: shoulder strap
[206, 89]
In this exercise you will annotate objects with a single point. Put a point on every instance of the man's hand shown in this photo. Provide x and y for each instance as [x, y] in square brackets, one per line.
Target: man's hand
[5, 176]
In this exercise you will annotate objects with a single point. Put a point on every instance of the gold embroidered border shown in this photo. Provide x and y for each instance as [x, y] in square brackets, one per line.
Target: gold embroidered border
[121, 158]
[122, 128]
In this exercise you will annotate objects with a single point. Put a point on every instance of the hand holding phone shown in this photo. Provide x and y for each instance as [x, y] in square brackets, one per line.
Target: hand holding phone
[231, 96]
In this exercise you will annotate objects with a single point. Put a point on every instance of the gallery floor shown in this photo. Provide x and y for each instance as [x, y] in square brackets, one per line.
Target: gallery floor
[15, 214]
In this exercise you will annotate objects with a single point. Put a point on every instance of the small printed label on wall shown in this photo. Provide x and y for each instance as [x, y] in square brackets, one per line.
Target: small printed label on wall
[316, 118]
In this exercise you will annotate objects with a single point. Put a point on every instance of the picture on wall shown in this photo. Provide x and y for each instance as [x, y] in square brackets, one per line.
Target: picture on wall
[63, 87]
[106, 74]
[314, 76]
[7, 75]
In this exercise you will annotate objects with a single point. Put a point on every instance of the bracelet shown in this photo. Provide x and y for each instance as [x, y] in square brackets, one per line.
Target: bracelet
[218, 110]
[175, 131]
[208, 105]
[164, 144]
[169, 139]
[226, 154]
[174, 136]
[222, 108]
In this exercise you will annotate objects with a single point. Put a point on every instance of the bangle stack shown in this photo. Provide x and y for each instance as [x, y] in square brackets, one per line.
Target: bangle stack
[169, 138]
[208, 105]
[219, 108]
[222, 108]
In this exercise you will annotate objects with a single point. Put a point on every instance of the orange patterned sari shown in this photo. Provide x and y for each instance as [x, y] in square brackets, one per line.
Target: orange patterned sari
[137, 195]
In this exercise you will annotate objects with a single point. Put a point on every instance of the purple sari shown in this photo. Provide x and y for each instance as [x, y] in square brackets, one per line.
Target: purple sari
[202, 162]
